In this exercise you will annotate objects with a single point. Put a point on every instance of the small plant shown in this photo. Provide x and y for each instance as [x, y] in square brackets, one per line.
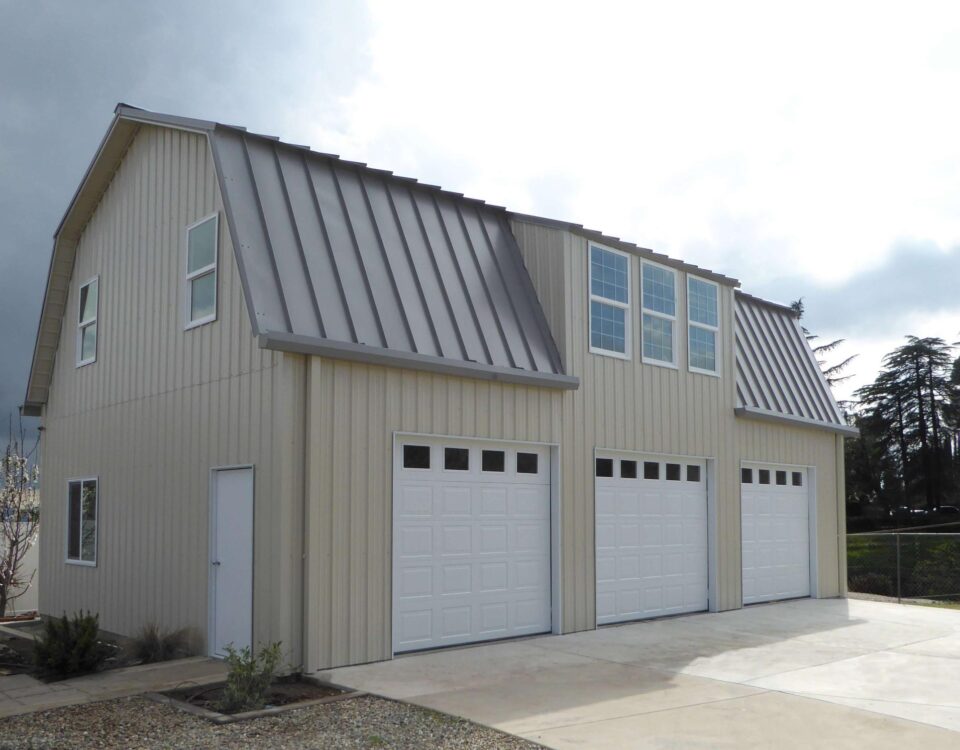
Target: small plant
[250, 677]
[70, 646]
[153, 644]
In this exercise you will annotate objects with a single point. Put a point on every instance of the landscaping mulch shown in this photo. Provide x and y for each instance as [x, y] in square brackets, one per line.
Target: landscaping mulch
[283, 692]
[137, 723]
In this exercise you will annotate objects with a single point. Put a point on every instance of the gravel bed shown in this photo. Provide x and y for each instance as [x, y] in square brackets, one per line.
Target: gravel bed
[365, 722]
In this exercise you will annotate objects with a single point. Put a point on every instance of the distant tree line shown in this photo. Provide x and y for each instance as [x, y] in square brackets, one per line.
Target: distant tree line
[908, 452]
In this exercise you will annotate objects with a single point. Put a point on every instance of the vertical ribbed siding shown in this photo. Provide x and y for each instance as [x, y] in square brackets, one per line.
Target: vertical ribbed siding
[630, 406]
[162, 406]
[354, 410]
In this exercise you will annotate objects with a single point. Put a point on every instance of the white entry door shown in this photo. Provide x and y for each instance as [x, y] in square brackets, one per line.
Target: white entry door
[471, 541]
[775, 509]
[651, 537]
[231, 560]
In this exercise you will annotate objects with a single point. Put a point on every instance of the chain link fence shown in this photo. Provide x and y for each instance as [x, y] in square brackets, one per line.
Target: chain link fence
[905, 565]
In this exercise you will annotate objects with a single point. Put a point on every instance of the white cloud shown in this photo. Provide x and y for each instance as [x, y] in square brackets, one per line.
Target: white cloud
[755, 139]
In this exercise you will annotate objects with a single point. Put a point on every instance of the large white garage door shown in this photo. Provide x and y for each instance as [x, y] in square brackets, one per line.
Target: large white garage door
[471, 542]
[775, 506]
[651, 537]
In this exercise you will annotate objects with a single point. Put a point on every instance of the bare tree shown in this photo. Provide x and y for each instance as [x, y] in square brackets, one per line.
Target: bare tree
[19, 515]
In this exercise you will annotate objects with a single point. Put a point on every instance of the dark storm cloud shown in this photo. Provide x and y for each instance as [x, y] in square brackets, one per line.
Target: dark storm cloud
[64, 66]
[916, 279]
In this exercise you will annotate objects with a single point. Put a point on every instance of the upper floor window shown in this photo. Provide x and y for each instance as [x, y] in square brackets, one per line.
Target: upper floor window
[82, 521]
[87, 322]
[659, 314]
[609, 302]
[202, 272]
[704, 322]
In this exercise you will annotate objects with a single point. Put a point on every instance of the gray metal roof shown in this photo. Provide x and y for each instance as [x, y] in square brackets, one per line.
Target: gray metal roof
[343, 260]
[348, 261]
[778, 377]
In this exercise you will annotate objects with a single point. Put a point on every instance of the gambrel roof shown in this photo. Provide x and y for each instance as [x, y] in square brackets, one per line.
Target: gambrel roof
[340, 259]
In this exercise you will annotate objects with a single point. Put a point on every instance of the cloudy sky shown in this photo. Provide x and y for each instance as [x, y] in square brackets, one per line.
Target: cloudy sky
[811, 151]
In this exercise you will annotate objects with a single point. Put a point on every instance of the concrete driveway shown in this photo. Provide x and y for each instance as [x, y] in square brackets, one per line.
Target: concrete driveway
[830, 673]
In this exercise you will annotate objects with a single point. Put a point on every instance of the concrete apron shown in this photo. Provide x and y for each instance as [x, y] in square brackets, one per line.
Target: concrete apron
[807, 673]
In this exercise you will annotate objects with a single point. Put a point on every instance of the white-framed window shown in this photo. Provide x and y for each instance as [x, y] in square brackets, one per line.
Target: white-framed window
[659, 314]
[87, 307]
[703, 324]
[201, 300]
[609, 302]
[82, 514]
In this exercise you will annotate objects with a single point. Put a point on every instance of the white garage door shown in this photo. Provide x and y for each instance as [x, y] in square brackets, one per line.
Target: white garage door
[651, 537]
[776, 532]
[471, 542]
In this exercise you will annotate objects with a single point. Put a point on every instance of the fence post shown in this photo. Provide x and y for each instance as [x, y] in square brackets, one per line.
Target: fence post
[898, 568]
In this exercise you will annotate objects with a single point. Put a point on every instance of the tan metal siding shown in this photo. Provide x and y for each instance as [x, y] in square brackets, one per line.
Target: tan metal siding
[160, 407]
[631, 406]
[354, 410]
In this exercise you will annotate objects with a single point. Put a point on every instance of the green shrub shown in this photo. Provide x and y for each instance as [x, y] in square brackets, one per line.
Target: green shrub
[153, 644]
[70, 646]
[250, 677]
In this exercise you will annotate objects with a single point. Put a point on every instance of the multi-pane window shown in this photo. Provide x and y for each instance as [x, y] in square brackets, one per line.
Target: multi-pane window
[609, 302]
[704, 323]
[659, 313]
[82, 521]
[202, 272]
[87, 322]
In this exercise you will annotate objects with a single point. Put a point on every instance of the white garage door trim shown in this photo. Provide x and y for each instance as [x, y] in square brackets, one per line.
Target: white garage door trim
[543, 617]
[808, 476]
[698, 556]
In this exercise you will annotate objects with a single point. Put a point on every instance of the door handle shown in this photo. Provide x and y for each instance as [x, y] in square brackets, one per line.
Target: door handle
[215, 562]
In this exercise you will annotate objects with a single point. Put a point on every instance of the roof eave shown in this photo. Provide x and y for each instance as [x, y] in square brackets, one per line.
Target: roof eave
[298, 344]
[765, 415]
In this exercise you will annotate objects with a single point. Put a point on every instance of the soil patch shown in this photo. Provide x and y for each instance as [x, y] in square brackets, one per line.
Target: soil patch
[283, 692]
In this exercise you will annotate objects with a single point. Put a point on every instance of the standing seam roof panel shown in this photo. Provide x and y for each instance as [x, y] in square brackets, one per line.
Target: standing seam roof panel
[776, 370]
[360, 262]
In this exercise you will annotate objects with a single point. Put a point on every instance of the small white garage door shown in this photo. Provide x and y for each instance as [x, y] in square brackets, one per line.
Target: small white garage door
[651, 537]
[471, 542]
[775, 505]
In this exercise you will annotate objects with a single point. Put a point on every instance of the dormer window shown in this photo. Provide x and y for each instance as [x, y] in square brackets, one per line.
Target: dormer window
[201, 302]
[659, 314]
[609, 302]
[87, 322]
[704, 323]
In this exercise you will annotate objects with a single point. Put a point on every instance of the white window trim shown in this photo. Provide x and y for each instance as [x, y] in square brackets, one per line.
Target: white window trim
[705, 327]
[672, 318]
[81, 326]
[213, 267]
[627, 317]
[96, 532]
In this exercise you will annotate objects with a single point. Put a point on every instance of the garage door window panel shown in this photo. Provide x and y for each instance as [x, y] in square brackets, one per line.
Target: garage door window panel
[416, 457]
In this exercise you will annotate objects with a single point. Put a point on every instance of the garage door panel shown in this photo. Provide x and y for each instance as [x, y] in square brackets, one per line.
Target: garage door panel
[651, 541]
[775, 533]
[472, 548]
